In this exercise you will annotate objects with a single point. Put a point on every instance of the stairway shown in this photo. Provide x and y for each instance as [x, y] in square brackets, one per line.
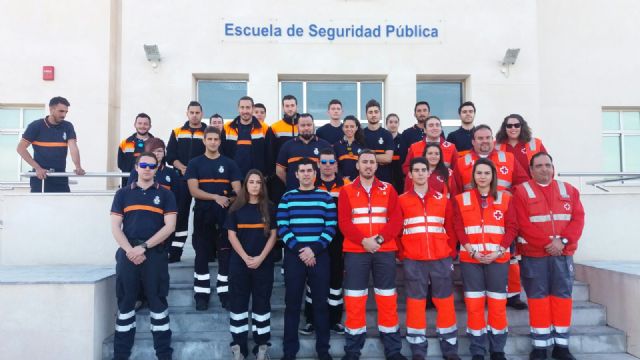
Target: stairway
[205, 335]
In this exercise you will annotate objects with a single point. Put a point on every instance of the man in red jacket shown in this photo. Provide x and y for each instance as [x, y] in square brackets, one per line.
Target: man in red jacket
[551, 219]
[370, 221]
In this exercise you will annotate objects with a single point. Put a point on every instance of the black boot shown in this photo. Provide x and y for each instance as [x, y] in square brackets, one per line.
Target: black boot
[561, 353]
[515, 303]
[498, 356]
[538, 354]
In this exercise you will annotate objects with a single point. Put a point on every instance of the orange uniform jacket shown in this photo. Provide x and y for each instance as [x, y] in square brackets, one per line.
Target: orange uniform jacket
[547, 211]
[509, 171]
[428, 232]
[362, 215]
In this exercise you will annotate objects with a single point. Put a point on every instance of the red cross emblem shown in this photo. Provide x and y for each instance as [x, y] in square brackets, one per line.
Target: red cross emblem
[446, 144]
[439, 178]
[524, 150]
[437, 195]
[567, 206]
[497, 214]
[504, 170]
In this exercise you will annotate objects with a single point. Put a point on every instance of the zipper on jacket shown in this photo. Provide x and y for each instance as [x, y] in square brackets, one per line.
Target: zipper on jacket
[426, 227]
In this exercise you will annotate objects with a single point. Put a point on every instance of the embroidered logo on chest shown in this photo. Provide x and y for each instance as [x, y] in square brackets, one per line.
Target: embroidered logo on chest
[567, 206]
[524, 150]
[497, 214]
[221, 169]
[380, 141]
[156, 200]
[64, 136]
[437, 195]
[168, 178]
[315, 151]
[504, 170]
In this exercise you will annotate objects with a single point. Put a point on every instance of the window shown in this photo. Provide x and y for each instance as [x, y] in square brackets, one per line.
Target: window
[13, 120]
[444, 97]
[621, 140]
[314, 96]
[220, 97]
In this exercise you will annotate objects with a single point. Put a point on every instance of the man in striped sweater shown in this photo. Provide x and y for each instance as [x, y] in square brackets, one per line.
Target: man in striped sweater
[307, 224]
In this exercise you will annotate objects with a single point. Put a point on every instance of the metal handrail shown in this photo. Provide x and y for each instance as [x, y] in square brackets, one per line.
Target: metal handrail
[72, 174]
[620, 177]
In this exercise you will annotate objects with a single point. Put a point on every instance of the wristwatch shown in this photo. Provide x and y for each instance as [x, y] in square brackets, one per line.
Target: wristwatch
[379, 239]
[144, 245]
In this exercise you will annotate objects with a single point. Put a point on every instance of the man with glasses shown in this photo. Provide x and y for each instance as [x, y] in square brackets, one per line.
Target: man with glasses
[305, 145]
[143, 216]
[51, 137]
[332, 182]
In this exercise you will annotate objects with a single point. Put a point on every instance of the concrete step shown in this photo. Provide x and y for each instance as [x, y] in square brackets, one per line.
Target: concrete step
[185, 319]
[215, 345]
[181, 294]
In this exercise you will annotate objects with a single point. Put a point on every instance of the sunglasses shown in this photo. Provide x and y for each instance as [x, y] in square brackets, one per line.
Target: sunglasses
[517, 126]
[143, 165]
[325, 162]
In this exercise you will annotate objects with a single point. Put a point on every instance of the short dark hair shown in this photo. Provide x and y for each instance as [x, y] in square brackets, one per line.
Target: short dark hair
[542, 153]
[146, 153]
[305, 161]
[328, 151]
[59, 100]
[144, 116]
[421, 103]
[216, 116]
[372, 103]
[210, 130]
[466, 103]
[289, 97]
[261, 106]
[433, 117]
[334, 102]
[154, 143]
[246, 97]
[305, 115]
[366, 152]
[479, 127]
[418, 160]
[194, 103]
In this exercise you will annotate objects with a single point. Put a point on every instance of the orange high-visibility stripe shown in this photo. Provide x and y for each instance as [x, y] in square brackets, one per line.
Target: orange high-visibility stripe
[513, 283]
[244, 142]
[355, 310]
[224, 181]
[143, 208]
[380, 151]
[416, 313]
[49, 143]
[475, 313]
[539, 312]
[446, 317]
[387, 310]
[561, 311]
[497, 313]
[395, 157]
[250, 226]
[348, 157]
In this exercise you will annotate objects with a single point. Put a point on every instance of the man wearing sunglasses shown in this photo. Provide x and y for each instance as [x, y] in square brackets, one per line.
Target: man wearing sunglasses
[143, 216]
[332, 182]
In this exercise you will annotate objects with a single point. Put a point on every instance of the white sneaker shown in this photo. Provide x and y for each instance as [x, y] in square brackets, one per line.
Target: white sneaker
[262, 352]
[237, 354]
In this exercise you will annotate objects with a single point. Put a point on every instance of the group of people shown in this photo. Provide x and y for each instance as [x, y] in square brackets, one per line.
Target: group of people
[343, 203]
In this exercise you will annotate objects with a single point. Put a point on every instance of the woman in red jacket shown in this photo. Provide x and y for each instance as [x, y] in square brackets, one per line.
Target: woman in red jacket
[515, 137]
[486, 225]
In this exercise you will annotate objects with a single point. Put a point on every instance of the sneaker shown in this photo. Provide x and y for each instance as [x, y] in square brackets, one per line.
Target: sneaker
[514, 302]
[538, 354]
[561, 353]
[498, 356]
[338, 329]
[202, 305]
[307, 329]
[262, 353]
[237, 354]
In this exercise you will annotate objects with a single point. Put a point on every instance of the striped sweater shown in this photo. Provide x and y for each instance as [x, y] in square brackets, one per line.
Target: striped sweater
[307, 218]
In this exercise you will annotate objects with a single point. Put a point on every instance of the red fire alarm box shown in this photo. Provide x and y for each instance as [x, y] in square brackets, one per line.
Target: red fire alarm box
[48, 73]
